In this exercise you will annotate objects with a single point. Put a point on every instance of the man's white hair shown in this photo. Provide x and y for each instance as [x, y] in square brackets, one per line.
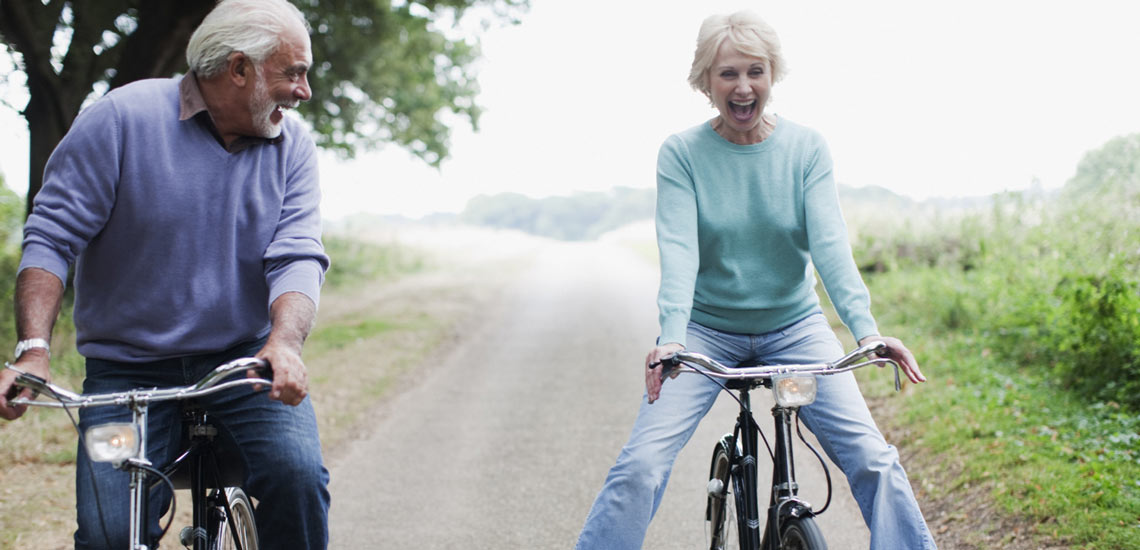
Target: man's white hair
[252, 27]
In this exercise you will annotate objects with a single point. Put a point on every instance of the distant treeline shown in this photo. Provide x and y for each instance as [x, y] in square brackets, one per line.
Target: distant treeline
[585, 216]
[578, 217]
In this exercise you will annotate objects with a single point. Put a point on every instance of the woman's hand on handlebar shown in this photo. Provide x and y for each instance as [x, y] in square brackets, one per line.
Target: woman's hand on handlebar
[898, 353]
[653, 368]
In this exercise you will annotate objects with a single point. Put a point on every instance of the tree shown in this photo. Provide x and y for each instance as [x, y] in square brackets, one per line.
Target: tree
[384, 70]
[1114, 167]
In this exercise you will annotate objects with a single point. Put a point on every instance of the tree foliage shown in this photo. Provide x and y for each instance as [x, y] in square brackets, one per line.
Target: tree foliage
[1114, 166]
[385, 71]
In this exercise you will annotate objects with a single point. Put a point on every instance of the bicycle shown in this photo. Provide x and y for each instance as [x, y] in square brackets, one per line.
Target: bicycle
[207, 462]
[732, 486]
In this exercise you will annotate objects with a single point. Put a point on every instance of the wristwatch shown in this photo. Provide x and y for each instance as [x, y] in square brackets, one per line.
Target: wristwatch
[31, 343]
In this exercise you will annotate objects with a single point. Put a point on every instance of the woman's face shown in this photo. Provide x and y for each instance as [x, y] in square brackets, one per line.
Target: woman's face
[739, 85]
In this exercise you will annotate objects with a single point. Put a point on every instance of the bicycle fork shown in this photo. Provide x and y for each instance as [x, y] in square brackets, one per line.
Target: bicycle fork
[784, 487]
[744, 475]
[138, 485]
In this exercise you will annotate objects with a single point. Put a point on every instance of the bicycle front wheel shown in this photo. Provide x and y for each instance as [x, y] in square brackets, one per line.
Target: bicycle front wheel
[801, 534]
[720, 513]
[245, 528]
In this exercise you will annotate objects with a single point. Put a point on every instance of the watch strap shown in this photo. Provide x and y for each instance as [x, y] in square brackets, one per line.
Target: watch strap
[31, 343]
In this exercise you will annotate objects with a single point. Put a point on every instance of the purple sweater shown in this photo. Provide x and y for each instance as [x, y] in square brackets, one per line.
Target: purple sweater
[179, 246]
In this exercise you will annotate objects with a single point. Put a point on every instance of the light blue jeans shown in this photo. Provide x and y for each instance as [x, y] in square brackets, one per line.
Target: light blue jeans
[278, 442]
[839, 418]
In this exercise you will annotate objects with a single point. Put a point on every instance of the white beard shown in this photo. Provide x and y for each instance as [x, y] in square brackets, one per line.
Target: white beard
[261, 107]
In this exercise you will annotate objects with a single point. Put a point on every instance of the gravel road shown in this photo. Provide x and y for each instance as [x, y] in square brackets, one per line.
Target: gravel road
[504, 442]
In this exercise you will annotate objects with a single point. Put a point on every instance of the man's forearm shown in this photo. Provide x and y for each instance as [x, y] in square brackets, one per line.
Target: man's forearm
[292, 316]
[38, 297]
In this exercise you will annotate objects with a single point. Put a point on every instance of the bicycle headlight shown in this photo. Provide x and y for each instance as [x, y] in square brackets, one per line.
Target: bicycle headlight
[113, 442]
[793, 390]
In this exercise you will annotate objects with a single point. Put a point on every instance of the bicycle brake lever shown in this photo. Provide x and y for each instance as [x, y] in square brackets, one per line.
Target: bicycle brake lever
[898, 383]
[668, 365]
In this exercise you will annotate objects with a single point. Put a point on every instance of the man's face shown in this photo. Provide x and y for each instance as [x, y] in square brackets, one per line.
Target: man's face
[280, 82]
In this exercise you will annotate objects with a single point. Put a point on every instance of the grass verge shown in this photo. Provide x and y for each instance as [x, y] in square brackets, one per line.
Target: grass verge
[1063, 470]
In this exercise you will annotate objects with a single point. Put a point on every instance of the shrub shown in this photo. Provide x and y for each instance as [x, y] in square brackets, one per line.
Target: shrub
[1096, 335]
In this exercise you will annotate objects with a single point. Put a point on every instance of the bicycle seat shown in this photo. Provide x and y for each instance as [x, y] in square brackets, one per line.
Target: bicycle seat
[741, 384]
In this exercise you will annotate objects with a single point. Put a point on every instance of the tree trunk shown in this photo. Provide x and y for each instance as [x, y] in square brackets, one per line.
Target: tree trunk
[155, 49]
[44, 132]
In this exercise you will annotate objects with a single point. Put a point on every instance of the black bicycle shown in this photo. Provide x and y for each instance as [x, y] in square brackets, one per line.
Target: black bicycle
[209, 463]
[732, 513]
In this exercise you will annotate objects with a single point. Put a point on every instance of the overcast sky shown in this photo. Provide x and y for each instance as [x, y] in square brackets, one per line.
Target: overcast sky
[959, 98]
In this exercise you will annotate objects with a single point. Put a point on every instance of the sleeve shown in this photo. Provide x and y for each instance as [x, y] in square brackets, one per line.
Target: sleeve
[829, 245]
[676, 220]
[295, 260]
[78, 192]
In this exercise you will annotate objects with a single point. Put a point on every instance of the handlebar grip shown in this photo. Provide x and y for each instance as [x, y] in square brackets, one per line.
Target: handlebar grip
[32, 382]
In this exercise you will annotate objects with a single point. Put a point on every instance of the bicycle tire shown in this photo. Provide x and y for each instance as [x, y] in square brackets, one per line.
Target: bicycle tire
[801, 534]
[721, 522]
[244, 524]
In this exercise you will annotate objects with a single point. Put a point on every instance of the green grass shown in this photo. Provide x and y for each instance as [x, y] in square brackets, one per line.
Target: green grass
[341, 333]
[998, 407]
[355, 261]
[1069, 465]
[1025, 316]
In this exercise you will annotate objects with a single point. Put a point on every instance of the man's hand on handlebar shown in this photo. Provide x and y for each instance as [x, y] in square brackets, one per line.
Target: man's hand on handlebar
[35, 362]
[290, 378]
[653, 368]
[898, 353]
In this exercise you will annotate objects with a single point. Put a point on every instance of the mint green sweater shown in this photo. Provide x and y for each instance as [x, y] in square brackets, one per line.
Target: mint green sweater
[740, 227]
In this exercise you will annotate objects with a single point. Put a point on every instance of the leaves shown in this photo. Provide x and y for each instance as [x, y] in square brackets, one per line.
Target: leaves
[385, 72]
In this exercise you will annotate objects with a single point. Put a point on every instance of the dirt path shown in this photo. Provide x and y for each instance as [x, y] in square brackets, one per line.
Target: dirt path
[504, 440]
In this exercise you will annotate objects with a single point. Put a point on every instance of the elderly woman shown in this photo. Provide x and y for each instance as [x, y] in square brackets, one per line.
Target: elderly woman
[746, 208]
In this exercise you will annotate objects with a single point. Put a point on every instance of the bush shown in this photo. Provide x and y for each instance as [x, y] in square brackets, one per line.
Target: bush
[1096, 333]
[11, 224]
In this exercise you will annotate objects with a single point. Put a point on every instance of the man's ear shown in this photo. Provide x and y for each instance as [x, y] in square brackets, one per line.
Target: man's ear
[239, 69]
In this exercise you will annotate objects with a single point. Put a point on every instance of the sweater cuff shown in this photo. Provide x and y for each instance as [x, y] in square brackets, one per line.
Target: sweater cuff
[304, 276]
[673, 329]
[863, 329]
[44, 257]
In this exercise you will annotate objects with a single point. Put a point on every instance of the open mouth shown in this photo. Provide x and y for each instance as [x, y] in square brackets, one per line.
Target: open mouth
[282, 107]
[742, 110]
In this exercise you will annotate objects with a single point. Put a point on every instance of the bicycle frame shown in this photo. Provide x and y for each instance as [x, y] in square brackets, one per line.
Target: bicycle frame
[138, 467]
[743, 448]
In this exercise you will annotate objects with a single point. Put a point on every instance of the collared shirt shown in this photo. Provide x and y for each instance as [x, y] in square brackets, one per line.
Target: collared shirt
[191, 104]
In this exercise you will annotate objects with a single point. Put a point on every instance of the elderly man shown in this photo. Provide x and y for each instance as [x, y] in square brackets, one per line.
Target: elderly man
[189, 207]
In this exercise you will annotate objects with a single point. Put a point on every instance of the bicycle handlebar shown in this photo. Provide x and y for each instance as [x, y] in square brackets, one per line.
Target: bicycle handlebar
[211, 383]
[682, 361]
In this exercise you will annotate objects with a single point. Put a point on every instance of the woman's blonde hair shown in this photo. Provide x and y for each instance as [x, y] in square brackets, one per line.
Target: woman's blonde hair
[751, 36]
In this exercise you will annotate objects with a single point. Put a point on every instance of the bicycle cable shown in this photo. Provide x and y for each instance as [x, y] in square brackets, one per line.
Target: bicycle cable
[826, 470]
[173, 498]
[90, 466]
[95, 486]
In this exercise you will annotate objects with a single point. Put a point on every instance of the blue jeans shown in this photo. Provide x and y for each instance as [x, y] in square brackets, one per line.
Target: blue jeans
[839, 418]
[278, 442]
